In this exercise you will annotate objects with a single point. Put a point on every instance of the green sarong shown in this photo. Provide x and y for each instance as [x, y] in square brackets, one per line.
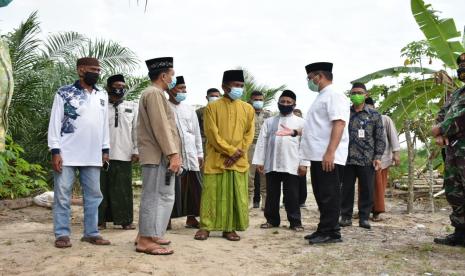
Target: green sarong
[116, 187]
[225, 202]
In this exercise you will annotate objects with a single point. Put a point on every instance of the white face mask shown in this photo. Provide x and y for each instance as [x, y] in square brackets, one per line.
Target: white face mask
[212, 99]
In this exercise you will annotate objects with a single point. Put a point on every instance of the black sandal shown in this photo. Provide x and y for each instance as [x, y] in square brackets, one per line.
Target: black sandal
[267, 226]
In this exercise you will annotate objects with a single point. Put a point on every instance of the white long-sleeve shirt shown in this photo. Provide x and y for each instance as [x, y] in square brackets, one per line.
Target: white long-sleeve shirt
[279, 153]
[330, 105]
[123, 137]
[189, 131]
[78, 126]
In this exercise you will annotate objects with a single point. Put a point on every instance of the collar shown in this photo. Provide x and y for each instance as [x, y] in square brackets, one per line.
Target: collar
[365, 108]
[327, 88]
[78, 86]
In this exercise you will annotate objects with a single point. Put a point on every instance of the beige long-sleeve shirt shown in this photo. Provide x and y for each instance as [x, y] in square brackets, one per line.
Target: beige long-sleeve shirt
[392, 141]
[156, 127]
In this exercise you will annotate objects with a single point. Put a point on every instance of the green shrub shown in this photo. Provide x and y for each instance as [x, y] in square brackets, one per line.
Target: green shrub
[19, 178]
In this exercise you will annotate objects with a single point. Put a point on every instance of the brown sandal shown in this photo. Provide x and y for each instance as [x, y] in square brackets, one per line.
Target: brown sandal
[155, 249]
[63, 242]
[231, 236]
[202, 235]
[96, 240]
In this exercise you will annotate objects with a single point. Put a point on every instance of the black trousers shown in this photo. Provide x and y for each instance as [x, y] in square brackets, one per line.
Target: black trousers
[256, 191]
[291, 198]
[327, 191]
[302, 189]
[366, 180]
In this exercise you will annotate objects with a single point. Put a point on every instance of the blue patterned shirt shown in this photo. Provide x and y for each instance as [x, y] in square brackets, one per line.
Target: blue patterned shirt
[366, 137]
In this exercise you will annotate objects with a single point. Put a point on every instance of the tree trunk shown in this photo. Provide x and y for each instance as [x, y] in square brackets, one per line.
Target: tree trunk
[411, 169]
[431, 181]
[6, 90]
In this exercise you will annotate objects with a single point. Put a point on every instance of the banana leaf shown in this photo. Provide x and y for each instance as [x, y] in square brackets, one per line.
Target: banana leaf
[393, 72]
[441, 34]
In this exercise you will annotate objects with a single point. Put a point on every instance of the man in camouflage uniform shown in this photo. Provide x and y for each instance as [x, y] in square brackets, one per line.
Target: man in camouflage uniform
[450, 131]
[257, 101]
[213, 94]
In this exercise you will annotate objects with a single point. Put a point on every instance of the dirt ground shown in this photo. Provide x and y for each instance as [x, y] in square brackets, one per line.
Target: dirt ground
[400, 245]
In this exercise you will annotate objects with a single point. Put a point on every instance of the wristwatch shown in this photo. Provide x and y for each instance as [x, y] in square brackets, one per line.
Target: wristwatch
[294, 133]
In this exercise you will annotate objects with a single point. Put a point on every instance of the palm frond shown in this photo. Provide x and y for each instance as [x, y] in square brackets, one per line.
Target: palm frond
[60, 45]
[113, 57]
[23, 44]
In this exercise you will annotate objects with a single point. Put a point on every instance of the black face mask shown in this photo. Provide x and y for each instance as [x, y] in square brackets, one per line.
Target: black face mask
[461, 74]
[91, 78]
[118, 92]
[285, 109]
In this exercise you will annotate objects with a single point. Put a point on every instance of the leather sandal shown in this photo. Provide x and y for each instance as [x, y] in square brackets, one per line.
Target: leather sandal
[202, 235]
[63, 242]
[231, 236]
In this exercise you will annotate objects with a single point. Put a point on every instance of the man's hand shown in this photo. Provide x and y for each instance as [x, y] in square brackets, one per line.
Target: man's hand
[233, 159]
[328, 161]
[441, 141]
[377, 164]
[260, 169]
[396, 158]
[135, 158]
[436, 131]
[105, 157]
[175, 163]
[57, 163]
[285, 131]
[200, 162]
[302, 171]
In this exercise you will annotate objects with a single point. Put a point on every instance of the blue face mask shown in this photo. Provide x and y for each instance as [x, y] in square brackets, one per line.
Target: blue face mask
[257, 104]
[212, 99]
[172, 84]
[180, 97]
[236, 93]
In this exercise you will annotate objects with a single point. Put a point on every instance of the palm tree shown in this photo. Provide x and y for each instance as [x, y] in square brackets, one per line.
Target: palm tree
[251, 85]
[41, 67]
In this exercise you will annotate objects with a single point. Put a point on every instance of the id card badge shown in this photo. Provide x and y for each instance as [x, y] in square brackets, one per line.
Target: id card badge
[361, 133]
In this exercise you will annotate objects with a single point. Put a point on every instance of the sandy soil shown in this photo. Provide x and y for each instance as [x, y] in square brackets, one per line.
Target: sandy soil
[400, 245]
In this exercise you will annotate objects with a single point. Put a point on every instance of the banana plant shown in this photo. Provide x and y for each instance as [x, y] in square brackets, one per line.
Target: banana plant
[441, 34]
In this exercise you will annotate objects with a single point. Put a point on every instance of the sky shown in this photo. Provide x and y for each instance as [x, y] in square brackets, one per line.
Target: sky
[272, 39]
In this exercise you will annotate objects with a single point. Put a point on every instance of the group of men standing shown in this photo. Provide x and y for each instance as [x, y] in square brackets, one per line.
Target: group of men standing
[340, 143]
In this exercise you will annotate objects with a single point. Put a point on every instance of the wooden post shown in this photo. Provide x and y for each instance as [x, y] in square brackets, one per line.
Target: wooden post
[411, 169]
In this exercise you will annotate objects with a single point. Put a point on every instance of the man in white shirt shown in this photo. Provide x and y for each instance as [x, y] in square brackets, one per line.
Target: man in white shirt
[278, 158]
[78, 137]
[116, 177]
[325, 143]
[188, 187]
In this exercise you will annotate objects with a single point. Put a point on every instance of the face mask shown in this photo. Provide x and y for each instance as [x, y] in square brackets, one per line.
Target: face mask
[257, 104]
[461, 74]
[180, 97]
[118, 92]
[172, 84]
[212, 99]
[236, 93]
[285, 109]
[313, 86]
[91, 78]
[357, 99]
